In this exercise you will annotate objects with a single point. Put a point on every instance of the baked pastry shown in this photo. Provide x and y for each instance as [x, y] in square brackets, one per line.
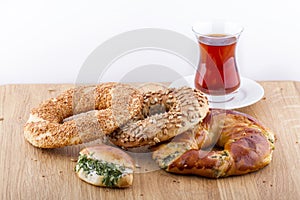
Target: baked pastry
[166, 113]
[96, 110]
[226, 143]
[105, 166]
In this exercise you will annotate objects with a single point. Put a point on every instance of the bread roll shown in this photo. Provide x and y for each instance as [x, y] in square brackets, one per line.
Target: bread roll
[82, 114]
[105, 166]
[241, 145]
[167, 113]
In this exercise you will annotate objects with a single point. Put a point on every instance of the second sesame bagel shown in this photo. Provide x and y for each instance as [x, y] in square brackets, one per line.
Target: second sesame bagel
[167, 113]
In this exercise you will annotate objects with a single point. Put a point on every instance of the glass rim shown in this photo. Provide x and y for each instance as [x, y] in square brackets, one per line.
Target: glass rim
[236, 33]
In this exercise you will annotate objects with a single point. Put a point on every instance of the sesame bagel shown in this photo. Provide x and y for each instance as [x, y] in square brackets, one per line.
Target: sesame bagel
[226, 143]
[96, 110]
[166, 113]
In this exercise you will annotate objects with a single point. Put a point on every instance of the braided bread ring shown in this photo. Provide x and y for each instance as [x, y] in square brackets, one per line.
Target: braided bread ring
[103, 109]
[248, 147]
[167, 113]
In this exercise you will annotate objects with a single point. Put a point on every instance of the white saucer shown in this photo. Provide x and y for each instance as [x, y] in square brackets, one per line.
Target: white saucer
[249, 93]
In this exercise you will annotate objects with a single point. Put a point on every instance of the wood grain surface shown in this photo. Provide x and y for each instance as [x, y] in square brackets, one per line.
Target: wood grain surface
[27, 172]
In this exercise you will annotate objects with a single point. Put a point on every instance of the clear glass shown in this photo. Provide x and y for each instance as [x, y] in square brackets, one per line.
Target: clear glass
[217, 74]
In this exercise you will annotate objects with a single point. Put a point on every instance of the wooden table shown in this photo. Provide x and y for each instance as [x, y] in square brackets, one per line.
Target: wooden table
[27, 172]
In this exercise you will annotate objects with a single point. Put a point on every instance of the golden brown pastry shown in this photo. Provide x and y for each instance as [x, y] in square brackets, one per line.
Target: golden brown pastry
[167, 113]
[98, 110]
[105, 166]
[226, 143]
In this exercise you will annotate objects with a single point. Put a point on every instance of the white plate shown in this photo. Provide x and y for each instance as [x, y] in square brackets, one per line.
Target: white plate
[249, 93]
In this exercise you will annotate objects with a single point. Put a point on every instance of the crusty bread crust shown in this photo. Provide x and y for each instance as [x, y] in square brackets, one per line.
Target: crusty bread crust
[98, 110]
[247, 147]
[110, 155]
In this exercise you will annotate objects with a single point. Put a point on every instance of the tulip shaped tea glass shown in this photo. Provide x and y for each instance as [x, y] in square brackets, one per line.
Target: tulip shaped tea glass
[217, 74]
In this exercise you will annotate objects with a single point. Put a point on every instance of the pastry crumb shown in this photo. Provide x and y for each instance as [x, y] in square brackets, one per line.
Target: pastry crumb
[137, 166]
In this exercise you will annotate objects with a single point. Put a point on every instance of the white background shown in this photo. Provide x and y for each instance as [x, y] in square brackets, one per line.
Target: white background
[47, 42]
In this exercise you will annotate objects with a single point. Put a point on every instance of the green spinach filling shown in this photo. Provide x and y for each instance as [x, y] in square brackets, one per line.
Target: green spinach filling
[168, 159]
[111, 172]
